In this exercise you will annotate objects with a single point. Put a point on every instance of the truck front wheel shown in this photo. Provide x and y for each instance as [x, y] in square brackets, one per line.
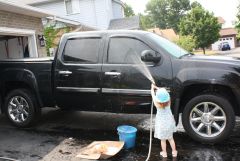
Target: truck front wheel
[208, 118]
[21, 108]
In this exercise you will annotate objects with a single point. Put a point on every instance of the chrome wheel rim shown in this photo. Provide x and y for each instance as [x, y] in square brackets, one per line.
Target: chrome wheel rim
[207, 119]
[18, 109]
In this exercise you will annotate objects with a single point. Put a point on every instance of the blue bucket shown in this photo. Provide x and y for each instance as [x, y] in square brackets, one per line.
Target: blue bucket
[128, 135]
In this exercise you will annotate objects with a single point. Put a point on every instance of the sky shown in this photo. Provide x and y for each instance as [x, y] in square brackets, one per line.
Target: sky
[224, 8]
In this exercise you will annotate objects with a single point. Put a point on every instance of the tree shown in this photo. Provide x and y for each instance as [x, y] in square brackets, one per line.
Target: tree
[186, 42]
[167, 13]
[128, 11]
[145, 22]
[202, 26]
[50, 34]
[195, 4]
[237, 24]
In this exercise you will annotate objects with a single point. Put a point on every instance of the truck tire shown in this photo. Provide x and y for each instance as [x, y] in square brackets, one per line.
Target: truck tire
[208, 118]
[21, 108]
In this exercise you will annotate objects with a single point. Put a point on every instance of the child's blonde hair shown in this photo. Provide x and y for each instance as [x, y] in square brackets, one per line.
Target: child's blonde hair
[164, 104]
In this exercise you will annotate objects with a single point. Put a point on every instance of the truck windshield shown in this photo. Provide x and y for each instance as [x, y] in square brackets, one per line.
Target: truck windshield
[169, 46]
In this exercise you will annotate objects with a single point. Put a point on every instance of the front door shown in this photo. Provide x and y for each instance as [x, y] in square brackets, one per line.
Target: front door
[123, 77]
[78, 74]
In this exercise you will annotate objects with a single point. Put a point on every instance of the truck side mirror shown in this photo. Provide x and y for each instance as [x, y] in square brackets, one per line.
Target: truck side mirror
[150, 56]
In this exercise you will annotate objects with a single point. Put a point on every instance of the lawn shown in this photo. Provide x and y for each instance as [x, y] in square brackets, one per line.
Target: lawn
[208, 52]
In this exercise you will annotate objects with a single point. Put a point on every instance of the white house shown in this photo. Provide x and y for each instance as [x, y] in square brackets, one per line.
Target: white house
[93, 13]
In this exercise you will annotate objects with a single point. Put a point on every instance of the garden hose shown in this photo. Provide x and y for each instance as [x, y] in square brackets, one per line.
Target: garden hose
[150, 135]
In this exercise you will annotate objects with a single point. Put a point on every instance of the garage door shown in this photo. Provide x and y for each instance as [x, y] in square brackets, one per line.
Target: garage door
[230, 41]
[17, 43]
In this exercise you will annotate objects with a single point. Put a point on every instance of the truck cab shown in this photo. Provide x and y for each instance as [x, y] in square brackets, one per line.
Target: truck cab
[104, 72]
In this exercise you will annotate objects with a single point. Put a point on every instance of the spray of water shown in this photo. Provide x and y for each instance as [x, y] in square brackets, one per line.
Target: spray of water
[133, 57]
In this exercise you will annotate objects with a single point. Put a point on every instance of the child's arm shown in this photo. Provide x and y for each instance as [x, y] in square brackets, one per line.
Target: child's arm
[152, 91]
[153, 88]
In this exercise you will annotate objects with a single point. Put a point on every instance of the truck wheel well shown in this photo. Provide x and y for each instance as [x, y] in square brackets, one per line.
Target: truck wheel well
[195, 90]
[9, 86]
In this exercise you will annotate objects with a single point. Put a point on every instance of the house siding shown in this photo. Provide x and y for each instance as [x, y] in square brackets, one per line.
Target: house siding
[86, 13]
[103, 13]
[94, 13]
[12, 20]
[56, 7]
[117, 10]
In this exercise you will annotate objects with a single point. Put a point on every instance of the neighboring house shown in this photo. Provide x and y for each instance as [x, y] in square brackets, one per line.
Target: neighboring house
[21, 31]
[129, 23]
[226, 35]
[166, 33]
[93, 13]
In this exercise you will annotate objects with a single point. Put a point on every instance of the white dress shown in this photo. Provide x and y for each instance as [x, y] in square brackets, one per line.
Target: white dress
[164, 124]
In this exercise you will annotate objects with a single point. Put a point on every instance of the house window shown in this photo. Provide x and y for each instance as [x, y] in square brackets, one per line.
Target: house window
[226, 38]
[230, 38]
[223, 39]
[69, 8]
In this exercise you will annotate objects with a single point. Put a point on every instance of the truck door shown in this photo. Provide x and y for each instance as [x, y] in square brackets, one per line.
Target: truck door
[78, 74]
[122, 78]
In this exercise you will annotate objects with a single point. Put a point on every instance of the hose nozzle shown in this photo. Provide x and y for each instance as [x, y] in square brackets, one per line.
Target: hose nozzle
[152, 81]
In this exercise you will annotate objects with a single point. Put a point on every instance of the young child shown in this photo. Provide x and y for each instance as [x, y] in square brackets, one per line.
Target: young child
[164, 122]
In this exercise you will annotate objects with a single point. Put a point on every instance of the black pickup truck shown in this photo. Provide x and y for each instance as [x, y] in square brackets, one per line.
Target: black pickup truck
[91, 72]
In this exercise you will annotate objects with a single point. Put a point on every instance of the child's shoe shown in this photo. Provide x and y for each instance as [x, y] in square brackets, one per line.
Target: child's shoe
[163, 154]
[174, 154]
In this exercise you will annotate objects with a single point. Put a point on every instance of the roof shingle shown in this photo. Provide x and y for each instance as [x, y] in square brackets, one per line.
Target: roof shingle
[167, 33]
[129, 23]
[228, 31]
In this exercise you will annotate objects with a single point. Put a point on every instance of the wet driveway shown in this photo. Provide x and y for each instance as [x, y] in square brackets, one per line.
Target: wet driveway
[60, 135]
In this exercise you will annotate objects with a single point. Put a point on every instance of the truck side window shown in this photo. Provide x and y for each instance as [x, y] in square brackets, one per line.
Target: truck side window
[83, 50]
[120, 48]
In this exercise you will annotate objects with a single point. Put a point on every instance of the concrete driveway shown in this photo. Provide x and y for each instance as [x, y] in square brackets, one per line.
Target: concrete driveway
[60, 134]
[234, 52]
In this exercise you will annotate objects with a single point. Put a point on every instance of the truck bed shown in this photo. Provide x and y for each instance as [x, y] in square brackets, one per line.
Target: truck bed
[23, 70]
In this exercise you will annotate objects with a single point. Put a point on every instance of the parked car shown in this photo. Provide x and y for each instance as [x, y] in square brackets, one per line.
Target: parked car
[224, 46]
[91, 71]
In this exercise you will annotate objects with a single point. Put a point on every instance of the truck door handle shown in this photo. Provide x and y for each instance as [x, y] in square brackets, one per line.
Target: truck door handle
[65, 72]
[113, 73]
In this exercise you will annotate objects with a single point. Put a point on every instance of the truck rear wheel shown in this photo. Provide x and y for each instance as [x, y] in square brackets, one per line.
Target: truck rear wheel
[21, 108]
[208, 118]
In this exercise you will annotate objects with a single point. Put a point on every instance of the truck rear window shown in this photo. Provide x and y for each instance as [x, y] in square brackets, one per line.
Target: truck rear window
[83, 50]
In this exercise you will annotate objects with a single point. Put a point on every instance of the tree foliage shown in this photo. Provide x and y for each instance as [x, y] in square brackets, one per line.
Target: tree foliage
[128, 11]
[50, 34]
[186, 42]
[195, 4]
[237, 25]
[145, 22]
[167, 13]
[202, 26]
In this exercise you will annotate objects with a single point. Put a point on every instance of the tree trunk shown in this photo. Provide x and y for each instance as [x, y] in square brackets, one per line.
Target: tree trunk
[203, 51]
